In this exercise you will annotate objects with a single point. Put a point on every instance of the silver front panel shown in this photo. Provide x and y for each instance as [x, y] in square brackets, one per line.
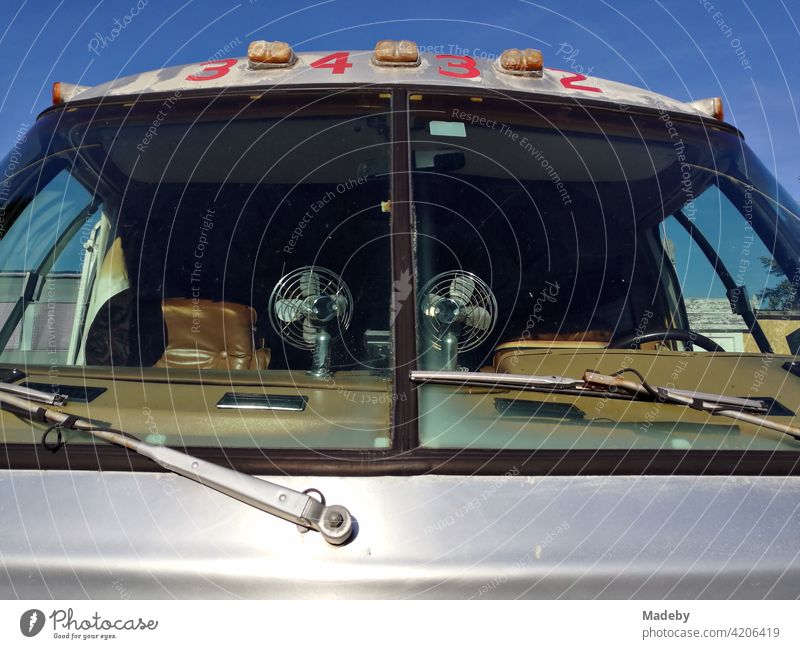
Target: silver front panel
[125, 535]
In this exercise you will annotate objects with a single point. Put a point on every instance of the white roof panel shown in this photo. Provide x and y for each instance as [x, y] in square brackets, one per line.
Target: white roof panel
[357, 68]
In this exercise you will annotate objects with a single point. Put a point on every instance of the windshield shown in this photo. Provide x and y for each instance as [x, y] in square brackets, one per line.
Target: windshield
[546, 235]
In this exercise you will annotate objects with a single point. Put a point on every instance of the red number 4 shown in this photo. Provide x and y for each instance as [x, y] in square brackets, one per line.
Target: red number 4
[337, 62]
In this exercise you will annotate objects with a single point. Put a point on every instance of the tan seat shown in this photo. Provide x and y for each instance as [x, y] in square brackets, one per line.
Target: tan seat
[203, 334]
[590, 339]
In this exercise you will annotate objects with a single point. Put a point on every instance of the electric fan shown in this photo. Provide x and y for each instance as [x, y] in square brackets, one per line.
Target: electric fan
[459, 312]
[303, 309]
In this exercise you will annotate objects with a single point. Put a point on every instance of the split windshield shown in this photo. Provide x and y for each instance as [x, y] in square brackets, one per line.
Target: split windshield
[246, 239]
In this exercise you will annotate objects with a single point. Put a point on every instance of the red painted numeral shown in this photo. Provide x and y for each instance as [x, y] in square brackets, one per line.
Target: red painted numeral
[465, 63]
[337, 62]
[216, 68]
[569, 83]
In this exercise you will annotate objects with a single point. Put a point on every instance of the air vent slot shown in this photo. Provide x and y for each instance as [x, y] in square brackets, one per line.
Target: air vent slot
[246, 401]
[528, 408]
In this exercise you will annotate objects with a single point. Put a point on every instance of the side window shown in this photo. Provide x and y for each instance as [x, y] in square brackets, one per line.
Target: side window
[41, 261]
[747, 260]
[42, 223]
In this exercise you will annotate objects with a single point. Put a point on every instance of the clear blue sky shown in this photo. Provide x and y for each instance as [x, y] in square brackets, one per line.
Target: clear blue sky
[683, 48]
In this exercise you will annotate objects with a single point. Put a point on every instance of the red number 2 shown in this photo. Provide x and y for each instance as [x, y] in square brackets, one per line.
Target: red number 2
[569, 83]
[466, 63]
[216, 68]
[337, 62]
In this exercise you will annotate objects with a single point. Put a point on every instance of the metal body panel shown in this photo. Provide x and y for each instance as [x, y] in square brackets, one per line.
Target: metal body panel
[554, 82]
[149, 535]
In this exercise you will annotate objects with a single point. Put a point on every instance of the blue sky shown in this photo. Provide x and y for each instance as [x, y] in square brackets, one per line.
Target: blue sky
[683, 48]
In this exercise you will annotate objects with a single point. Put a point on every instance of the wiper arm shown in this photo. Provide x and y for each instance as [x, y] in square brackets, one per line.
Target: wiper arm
[49, 398]
[714, 404]
[698, 400]
[334, 522]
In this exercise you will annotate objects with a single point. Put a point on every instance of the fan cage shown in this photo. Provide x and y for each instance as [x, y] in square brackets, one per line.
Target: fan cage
[290, 287]
[482, 296]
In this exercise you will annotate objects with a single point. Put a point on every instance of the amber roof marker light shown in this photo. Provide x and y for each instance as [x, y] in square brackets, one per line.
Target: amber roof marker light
[711, 106]
[63, 92]
[265, 55]
[389, 53]
[522, 63]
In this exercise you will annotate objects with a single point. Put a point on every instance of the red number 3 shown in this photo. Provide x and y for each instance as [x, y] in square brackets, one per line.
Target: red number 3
[216, 68]
[465, 63]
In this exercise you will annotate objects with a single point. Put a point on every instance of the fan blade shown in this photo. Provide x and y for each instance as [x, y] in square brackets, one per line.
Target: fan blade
[309, 284]
[461, 289]
[309, 331]
[431, 301]
[289, 310]
[478, 317]
[341, 304]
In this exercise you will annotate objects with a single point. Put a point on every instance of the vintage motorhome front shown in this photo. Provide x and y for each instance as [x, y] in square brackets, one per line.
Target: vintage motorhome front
[532, 332]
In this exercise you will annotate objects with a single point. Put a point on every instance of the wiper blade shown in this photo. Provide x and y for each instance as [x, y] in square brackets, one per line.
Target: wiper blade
[546, 382]
[334, 522]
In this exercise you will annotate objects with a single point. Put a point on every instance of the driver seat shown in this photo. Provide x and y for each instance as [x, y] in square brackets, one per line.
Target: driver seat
[203, 334]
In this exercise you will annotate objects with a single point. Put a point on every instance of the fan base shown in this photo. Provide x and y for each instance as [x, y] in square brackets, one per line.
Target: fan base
[320, 373]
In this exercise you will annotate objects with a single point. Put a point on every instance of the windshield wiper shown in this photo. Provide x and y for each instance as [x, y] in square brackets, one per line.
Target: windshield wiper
[334, 522]
[597, 384]
[49, 398]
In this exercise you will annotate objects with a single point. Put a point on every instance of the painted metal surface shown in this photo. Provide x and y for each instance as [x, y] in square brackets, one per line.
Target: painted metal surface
[126, 535]
[356, 68]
